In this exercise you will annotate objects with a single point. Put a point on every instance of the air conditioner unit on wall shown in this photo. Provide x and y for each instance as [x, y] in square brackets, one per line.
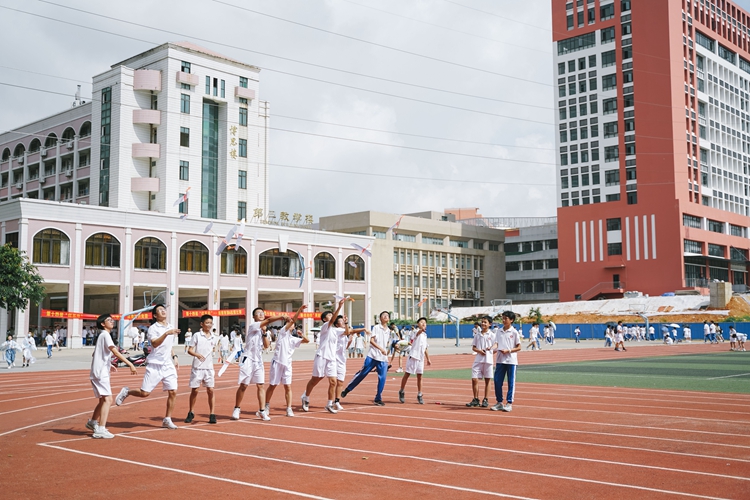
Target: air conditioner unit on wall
[20, 160]
[439, 270]
[476, 273]
[416, 269]
[453, 271]
[69, 174]
[19, 185]
[453, 296]
[70, 145]
[42, 180]
[395, 268]
[396, 290]
[476, 295]
[43, 153]
[439, 292]
[416, 291]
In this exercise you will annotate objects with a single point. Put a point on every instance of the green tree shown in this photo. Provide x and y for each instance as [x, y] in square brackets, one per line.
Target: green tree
[535, 314]
[20, 282]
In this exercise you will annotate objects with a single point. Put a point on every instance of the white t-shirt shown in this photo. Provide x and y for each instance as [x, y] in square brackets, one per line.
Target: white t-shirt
[686, 332]
[359, 342]
[327, 343]
[712, 327]
[380, 335]
[533, 333]
[507, 340]
[49, 339]
[651, 330]
[204, 345]
[418, 345]
[101, 360]
[484, 341]
[342, 342]
[577, 331]
[163, 354]
[224, 343]
[286, 343]
[188, 336]
[254, 343]
[706, 329]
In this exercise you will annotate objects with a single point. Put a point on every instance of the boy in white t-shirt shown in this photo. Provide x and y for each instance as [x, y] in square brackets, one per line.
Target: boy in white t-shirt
[188, 338]
[533, 336]
[324, 364]
[281, 364]
[417, 356]
[202, 346]
[99, 376]
[507, 344]
[160, 365]
[483, 345]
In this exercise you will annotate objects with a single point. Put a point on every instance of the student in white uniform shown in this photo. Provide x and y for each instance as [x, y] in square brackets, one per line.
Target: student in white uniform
[281, 364]
[376, 360]
[508, 345]
[345, 337]
[252, 370]
[159, 367]
[99, 376]
[533, 336]
[188, 338]
[483, 346]
[417, 356]
[202, 347]
[687, 334]
[223, 348]
[324, 364]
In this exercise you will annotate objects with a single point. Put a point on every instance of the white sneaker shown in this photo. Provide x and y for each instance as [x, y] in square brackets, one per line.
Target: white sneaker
[92, 425]
[331, 409]
[400, 370]
[102, 433]
[305, 404]
[289, 412]
[508, 407]
[498, 407]
[121, 396]
[168, 424]
[338, 406]
[263, 415]
[268, 407]
[236, 414]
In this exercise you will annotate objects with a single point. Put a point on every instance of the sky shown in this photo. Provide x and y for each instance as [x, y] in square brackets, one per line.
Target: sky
[490, 148]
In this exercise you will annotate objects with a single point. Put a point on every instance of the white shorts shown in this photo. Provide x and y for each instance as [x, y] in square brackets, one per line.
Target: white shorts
[340, 370]
[201, 376]
[414, 366]
[166, 374]
[279, 374]
[481, 370]
[324, 367]
[251, 373]
[101, 386]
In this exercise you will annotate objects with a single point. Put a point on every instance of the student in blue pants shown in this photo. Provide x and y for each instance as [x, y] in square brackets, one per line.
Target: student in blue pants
[376, 360]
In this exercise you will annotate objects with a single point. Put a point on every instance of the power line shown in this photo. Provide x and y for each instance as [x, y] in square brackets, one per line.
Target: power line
[376, 44]
[497, 15]
[547, 52]
[348, 72]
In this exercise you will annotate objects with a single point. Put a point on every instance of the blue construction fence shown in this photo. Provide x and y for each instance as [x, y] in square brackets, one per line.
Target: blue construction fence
[589, 331]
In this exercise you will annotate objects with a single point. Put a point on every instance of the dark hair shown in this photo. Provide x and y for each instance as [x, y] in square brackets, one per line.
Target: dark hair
[488, 318]
[384, 312]
[101, 319]
[535, 323]
[509, 314]
[323, 316]
[338, 318]
[254, 311]
[422, 318]
[205, 317]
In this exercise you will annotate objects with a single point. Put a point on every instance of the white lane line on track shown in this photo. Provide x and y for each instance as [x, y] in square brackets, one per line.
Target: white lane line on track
[40, 396]
[45, 405]
[443, 462]
[189, 473]
[336, 469]
[728, 376]
[514, 451]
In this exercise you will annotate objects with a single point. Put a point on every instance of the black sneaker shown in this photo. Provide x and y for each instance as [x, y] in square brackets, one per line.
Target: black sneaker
[474, 402]
[212, 419]
[485, 403]
[401, 396]
[344, 393]
[190, 417]
[379, 402]
[419, 399]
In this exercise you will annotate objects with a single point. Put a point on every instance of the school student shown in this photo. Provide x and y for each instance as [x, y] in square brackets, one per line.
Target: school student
[508, 345]
[252, 370]
[324, 364]
[160, 365]
[533, 336]
[376, 360]
[281, 364]
[201, 347]
[101, 363]
[483, 346]
[417, 356]
[344, 338]
[10, 347]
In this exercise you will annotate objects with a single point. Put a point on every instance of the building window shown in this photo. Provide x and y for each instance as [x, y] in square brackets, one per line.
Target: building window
[576, 43]
[208, 85]
[185, 67]
[609, 58]
[354, 268]
[592, 61]
[184, 170]
[716, 250]
[627, 52]
[222, 88]
[183, 206]
[608, 35]
[693, 246]
[614, 224]
[606, 12]
[609, 82]
[325, 266]
[379, 235]
[611, 153]
[727, 54]
[51, 247]
[459, 243]
[243, 82]
[715, 226]
[428, 240]
[735, 230]
[234, 261]
[408, 238]
[613, 197]
[150, 253]
[184, 137]
[610, 105]
[614, 248]
[560, 68]
[274, 263]
[243, 117]
[102, 250]
[241, 210]
[194, 257]
[243, 148]
[12, 239]
[242, 179]
[704, 40]
[612, 178]
[632, 197]
[185, 103]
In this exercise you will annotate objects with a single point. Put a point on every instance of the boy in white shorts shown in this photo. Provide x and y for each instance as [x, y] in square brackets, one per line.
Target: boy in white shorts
[417, 356]
[483, 345]
[159, 367]
[202, 345]
[99, 376]
[252, 370]
[324, 364]
[281, 364]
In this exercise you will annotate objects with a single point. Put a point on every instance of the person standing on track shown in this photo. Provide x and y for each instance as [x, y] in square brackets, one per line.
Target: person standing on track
[101, 363]
[188, 338]
[10, 347]
[28, 344]
[49, 340]
[577, 333]
[533, 336]
[484, 345]
[202, 346]
[281, 364]
[344, 340]
[160, 365]
[376, 360]
[417, 356]
[508, 345]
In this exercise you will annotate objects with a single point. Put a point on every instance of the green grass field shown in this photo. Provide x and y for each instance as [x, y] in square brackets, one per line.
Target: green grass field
[720, 372]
